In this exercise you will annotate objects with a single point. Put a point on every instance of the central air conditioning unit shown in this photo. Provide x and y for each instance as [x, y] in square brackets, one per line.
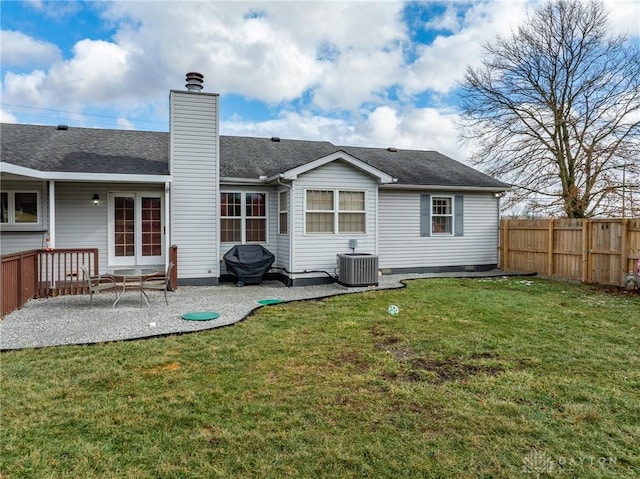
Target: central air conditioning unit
[357, 269]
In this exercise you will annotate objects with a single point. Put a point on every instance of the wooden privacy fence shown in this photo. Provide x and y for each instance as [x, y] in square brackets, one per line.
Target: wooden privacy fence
[590, 250]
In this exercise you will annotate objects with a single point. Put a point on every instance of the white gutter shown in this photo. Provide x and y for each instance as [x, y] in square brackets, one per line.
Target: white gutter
[233, 180]
[167, 224]
[71, 176]
[490, 189]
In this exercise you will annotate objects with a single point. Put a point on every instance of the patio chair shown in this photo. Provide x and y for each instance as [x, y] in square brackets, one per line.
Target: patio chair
[98, 283]
[158, 283]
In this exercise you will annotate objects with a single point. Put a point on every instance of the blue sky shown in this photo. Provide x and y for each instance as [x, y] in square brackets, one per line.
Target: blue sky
[354, 73]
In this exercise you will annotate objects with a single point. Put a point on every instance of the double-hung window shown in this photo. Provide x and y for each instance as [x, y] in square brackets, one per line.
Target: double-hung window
[243, 217]
[351, 213]
[319, 216]
[19, 208]
[331, 211]
[441, 215]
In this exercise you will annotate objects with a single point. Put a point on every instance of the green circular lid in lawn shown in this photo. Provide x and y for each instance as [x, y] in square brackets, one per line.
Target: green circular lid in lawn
[269, 301]
[200, 316]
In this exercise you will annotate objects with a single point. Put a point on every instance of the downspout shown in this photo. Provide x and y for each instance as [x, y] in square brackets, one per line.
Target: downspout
[376, 219]
[290, 225]
[52, 215]
[167, 223]
[499, 196]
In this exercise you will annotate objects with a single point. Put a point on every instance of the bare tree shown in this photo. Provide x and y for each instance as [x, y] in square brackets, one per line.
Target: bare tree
[555, 110]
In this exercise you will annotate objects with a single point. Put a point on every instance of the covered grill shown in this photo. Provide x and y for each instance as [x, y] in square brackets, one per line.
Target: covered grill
[248, 263]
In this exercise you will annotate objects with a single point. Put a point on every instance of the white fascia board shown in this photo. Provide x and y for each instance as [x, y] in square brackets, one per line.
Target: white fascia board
[491, 189]
[74, 176]
[339, 155]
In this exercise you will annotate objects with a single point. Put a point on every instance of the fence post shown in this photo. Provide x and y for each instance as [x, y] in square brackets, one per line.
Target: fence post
[624, 251]
[505, 245]
[550, 249]
[173, 257]
[586, 246]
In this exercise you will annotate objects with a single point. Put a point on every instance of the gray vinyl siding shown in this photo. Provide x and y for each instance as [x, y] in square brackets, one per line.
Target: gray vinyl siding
[313, 251]
[80, 223]
[402, 246]
[194, 146]
[16, 238]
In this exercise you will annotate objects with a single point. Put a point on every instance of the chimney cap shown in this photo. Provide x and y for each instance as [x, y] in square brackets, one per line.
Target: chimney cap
[194, 81]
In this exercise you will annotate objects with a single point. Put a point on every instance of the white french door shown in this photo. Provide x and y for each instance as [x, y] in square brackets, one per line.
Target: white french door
[136, 229]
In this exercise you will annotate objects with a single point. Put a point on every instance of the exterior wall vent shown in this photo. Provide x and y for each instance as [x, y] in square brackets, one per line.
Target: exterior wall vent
[195, 81]
[357, 269]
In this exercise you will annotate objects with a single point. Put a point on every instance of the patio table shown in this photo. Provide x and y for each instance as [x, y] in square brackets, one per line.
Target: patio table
[132, 277]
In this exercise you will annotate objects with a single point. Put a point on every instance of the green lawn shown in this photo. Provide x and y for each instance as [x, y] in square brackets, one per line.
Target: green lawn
[502, 378]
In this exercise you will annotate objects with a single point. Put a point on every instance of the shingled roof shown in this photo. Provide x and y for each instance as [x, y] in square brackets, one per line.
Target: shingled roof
[88, 150]
[85, 150]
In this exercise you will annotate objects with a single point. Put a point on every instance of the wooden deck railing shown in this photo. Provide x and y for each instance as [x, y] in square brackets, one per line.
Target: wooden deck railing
[43, 273]
[19, 279]
[60, 272]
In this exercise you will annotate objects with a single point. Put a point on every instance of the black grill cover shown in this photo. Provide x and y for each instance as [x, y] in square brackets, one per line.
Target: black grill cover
[248, 262]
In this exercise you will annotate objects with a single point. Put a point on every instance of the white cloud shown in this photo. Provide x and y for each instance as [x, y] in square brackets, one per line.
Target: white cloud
[293, 125]
[7, 116]
[423, 129]
[267, 51]
[358, 77]
[94, 75]
[449, 20]
[25, 89]
[125, 124]
[20, 50]
[420, 128]
[264, 51]
[442, 63]
[624, 16]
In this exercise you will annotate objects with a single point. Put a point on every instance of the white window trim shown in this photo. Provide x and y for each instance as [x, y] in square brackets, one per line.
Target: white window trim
[336, 211]
[244, 217]
[283, 211]
[137, 259]
[11, 209]
[450, 215]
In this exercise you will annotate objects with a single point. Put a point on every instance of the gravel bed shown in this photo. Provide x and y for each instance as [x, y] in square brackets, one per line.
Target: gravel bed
[70, 320]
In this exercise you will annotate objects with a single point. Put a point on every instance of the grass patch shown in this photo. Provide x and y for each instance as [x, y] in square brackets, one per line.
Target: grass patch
[501, 378]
